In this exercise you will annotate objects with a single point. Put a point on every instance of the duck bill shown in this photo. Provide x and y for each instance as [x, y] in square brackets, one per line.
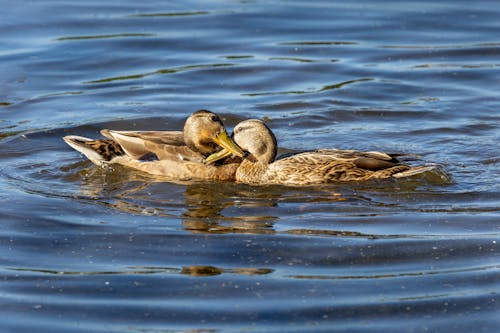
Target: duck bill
[218, 156]
[223, 140]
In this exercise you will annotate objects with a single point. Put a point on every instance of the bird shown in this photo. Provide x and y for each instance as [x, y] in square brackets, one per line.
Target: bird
[173, 154]
[320, 166]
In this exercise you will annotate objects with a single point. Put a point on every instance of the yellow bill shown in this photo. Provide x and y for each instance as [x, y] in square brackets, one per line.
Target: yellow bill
[230, 148]
[218, 156]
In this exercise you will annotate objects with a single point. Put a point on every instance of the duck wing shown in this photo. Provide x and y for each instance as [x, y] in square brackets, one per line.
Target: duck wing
[163, 144]
[329, 165]
[368, 160]
[350, 154]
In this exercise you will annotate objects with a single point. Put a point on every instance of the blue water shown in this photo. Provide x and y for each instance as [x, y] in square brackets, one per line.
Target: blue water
[86, 249]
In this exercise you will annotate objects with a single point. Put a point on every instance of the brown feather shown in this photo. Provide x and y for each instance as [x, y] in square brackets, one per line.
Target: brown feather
[307, 168]
[175, 159]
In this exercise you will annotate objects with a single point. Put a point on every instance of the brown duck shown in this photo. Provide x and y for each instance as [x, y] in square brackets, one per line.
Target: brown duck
[177, 155]
[307, 168]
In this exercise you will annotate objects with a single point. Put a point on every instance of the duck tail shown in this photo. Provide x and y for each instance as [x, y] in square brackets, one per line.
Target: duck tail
[412, 171]
[97, 151]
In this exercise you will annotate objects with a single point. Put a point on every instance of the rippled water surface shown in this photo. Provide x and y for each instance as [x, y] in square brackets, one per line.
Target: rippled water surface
[85, 249]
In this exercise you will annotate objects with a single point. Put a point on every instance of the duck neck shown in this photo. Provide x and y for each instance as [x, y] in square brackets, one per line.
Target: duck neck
[251, 170]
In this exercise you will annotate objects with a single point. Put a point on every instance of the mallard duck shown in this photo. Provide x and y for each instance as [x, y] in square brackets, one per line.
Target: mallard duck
[175, 154]
[307, 168]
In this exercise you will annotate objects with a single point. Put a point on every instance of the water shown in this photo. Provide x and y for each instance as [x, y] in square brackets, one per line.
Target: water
[84, 249]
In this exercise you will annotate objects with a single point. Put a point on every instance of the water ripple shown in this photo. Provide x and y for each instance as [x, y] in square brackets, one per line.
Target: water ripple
[160, 72]
[171, 14]
[311, 91]
[84, 248]
[122, 35]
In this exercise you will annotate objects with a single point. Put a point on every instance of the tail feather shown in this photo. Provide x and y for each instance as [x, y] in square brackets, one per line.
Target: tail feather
[97, 151]
[414, 171]
[132, 145]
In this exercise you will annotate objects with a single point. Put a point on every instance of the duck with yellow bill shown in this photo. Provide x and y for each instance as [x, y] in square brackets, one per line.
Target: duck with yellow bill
[176, 154]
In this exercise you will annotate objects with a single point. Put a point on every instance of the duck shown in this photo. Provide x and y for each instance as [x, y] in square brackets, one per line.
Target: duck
[177, 155]
[321, 166]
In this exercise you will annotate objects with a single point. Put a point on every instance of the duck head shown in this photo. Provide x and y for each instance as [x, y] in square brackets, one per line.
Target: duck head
[255, 138]
[204, 132]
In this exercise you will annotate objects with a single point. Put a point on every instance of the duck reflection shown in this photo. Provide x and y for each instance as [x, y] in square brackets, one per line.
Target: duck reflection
[212, 270]
[222, 207]
[219, 207]
[194, 270]
[204, 207]
[205, 203]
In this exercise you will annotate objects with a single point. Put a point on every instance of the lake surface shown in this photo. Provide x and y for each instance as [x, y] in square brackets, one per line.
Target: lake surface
[86, 249]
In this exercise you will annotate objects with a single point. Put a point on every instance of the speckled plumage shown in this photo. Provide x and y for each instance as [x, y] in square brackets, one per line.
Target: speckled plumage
[308, 168]
[108, 149]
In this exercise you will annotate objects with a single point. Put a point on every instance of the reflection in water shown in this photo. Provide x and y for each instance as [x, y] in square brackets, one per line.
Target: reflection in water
[211, 271]
[221, 207]
[200, 205]
[171, 14]
[489, 268]
[316, 43]
[335, 233]
[126, 35]
[110, 250]
[225, 207]
[205, 202]
[185, 270]
[160, 72]
[233, 226]
[310, 91]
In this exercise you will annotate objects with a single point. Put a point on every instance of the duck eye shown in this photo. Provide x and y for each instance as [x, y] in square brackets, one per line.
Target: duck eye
[215, 118]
